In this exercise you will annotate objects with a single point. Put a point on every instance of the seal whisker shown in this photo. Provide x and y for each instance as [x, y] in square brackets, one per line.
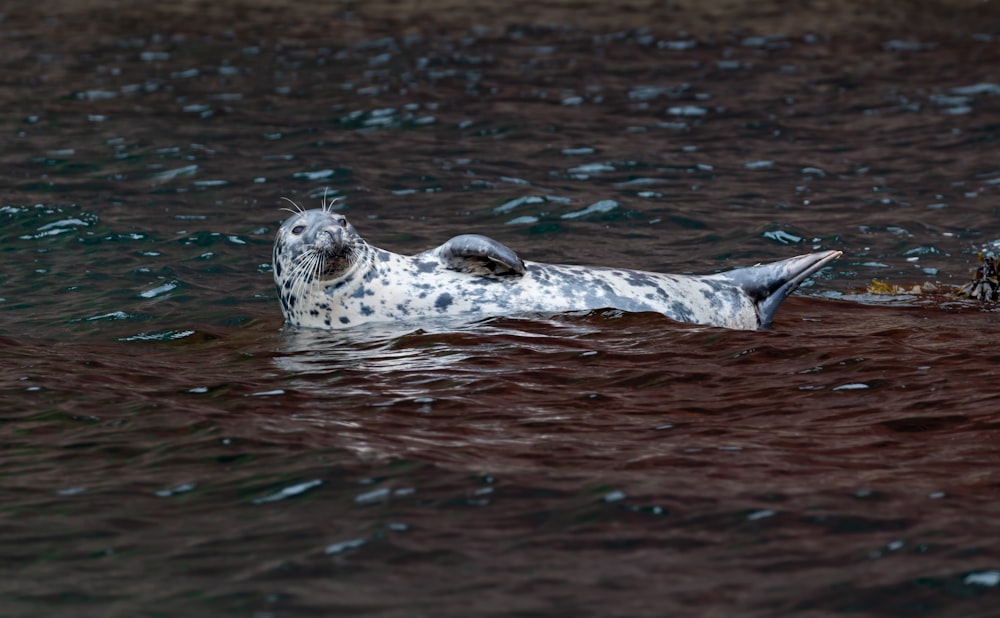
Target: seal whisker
[303, 264]
[298, 209]
[304, 274]
[356, 256]
[327, 205]
[307, 252]
[320, 265]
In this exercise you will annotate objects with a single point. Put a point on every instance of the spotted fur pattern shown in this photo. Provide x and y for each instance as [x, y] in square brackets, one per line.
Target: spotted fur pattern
[328, 277]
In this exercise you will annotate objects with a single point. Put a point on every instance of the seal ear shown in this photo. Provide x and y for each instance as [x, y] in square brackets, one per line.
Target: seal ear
[480, 255]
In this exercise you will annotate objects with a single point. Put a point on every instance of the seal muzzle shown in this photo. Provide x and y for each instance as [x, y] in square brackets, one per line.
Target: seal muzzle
[332, 241]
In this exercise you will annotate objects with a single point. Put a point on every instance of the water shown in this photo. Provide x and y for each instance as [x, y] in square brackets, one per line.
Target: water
[171, 449]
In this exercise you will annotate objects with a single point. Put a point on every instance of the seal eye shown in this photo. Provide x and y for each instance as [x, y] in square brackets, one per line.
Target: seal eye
[298, 229]
[343, 222]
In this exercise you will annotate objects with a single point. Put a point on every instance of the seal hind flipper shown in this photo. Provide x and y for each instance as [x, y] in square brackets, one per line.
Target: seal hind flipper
[480, 255]
[769, 284]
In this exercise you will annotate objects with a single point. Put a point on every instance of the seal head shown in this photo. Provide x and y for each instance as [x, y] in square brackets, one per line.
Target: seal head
[310, 248]
[316, 236]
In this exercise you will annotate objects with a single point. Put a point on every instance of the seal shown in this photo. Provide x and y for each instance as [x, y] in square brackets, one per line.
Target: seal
[327, 276]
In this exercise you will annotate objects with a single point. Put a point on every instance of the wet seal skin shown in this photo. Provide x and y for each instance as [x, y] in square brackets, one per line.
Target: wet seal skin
[328, 277]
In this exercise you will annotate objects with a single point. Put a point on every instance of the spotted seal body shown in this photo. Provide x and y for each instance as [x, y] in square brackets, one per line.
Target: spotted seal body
[329, 277]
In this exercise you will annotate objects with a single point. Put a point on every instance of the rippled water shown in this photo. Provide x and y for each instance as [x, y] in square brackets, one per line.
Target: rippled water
[171, 449]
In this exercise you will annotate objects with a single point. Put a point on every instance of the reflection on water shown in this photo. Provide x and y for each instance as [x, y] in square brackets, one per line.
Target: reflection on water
[388, 347]
[162, 422]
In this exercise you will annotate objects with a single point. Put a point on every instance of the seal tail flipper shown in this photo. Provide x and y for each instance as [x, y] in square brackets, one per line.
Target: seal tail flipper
[769, 284]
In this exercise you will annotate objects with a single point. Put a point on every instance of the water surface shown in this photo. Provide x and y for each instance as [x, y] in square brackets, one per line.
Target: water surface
[172, 449]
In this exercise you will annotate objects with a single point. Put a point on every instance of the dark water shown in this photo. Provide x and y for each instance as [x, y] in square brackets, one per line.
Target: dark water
[170, 449]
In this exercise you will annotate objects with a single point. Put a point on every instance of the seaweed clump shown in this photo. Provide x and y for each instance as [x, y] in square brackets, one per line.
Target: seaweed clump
[985, 284]
[884, 288]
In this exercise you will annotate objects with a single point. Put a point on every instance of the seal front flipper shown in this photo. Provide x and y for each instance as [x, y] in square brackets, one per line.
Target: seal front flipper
[480, 255]
[769, 284]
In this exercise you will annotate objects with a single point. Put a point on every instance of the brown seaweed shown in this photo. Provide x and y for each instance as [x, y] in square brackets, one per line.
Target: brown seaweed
[884, 288]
